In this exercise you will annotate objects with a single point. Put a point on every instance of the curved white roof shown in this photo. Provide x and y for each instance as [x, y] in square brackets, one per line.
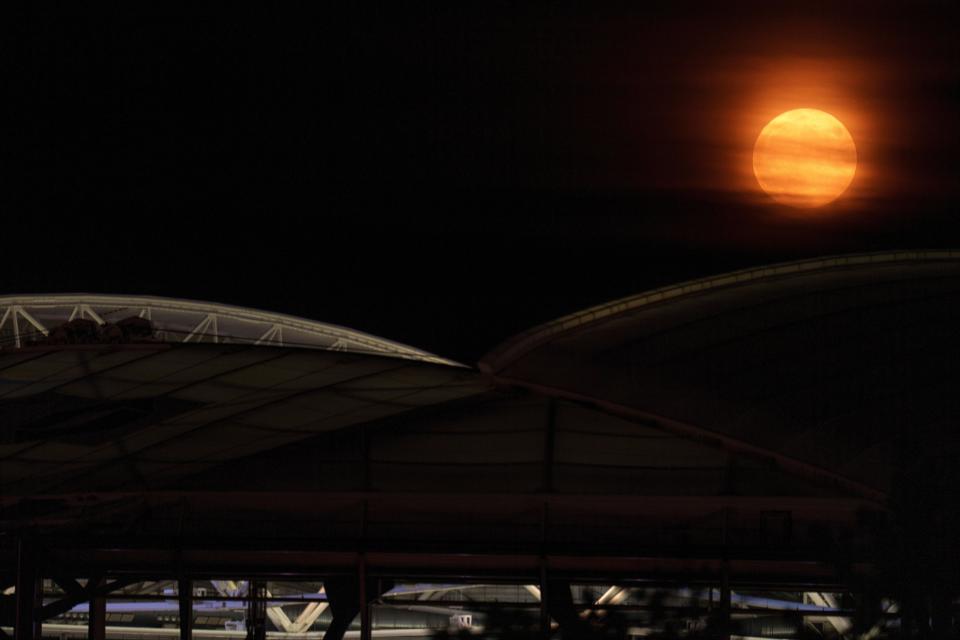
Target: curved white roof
[28, 318]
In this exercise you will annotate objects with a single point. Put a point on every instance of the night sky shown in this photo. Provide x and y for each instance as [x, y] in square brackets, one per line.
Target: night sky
[449, 174]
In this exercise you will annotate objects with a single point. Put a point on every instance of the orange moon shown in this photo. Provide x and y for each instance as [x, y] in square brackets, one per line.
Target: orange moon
[804, 158]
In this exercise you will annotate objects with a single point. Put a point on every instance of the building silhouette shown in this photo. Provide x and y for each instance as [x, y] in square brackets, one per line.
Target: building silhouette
[727, 456]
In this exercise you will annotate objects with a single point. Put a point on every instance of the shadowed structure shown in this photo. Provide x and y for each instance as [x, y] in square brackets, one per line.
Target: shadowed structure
[734, 433]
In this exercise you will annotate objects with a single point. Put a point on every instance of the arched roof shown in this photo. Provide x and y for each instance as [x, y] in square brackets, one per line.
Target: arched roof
[831, 363]
[80, 418]
[28, 318]
[515, 347]
[241, 442]
[93, 386]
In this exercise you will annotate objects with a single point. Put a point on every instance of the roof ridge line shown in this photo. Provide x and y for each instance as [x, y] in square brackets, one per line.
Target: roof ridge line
[518, 345]
[365, 341]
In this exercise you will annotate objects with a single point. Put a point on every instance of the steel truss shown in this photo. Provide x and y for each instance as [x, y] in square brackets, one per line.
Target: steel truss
[332, 595]
[208, 608]
[27, 320]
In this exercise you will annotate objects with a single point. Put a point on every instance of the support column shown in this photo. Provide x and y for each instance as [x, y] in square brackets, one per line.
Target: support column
[342, 594]
[562, 610]
[185, 597]
[724, 620]
[723, 628]
[351, 595]
[97, 620]
[366, 631]
[257, 611]
[29, 593]
[544, 601]
[549, 444]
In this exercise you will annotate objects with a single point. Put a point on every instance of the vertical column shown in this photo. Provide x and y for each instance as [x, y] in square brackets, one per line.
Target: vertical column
[544, 601]
[725, 602]
[366, 632]
[185, 597]
[257, 611]
[549, 445]
[29, 593]
[724, 617]
[97, 620]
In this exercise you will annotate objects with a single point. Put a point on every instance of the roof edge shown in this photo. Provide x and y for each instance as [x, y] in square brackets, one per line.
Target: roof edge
[376, 344]
[696, 432]
[517, 346]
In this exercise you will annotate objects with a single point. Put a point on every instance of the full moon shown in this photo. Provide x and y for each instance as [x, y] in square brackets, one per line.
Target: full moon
[804, 158]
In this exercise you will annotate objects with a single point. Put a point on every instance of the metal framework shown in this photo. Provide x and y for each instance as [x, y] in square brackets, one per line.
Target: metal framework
[30, 319]
[298, 609]
[371, 497]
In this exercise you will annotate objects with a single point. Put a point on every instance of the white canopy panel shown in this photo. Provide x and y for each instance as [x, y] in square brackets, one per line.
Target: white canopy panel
[30, 319]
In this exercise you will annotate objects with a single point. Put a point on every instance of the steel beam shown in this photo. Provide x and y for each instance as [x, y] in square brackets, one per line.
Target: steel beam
[77, 594]
[29, 593]
[363, 592]
[257, 611]
[97, 619]
[544, 602]
[549, 445]
[343, 596]
[185, 598]
[724, 610]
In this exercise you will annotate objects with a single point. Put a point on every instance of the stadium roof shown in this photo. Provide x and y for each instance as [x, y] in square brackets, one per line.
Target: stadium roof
[132, 391]
[685, 416]
[829, 365]
[30, 318]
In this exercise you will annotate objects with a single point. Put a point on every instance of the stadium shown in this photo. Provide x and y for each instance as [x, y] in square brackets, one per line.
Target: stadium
[716, 456]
